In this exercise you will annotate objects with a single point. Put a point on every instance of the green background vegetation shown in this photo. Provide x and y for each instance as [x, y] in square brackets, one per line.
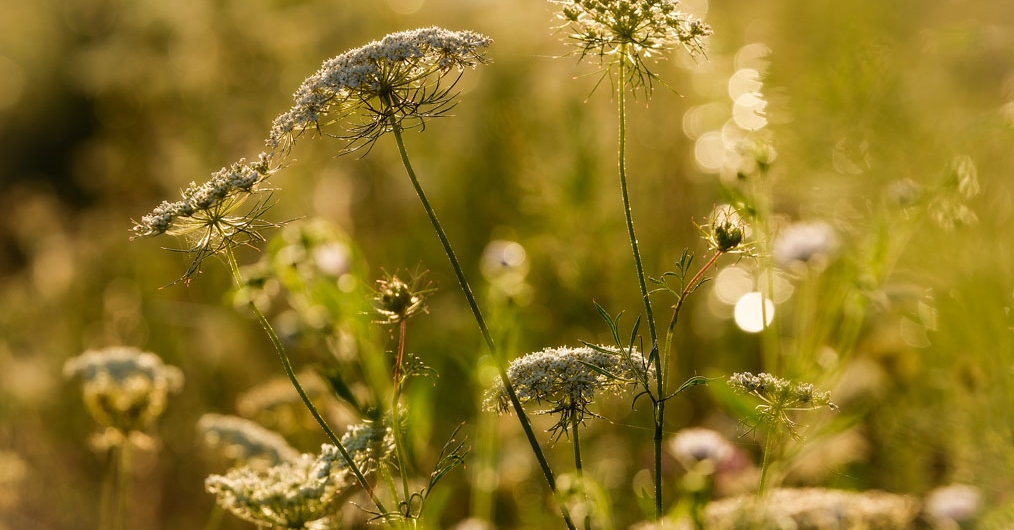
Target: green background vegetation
[109, 107]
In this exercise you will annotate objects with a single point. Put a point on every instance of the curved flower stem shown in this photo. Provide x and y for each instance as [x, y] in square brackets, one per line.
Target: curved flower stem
[659, 401]
[483, 329]
[287, 365]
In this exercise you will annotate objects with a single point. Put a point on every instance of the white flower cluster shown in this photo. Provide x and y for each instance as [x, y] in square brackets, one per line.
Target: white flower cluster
[567, 377]
[368, 444]
[779, 392]
[643, 27]
[124, 388]
[392, 77]
[288, 495]
[228, 183]
[245, 441]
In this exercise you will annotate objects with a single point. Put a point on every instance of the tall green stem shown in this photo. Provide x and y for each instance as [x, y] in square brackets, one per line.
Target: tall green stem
[287, 365]
[766, 462]
[659, 402]
[483, 329]
[578, 467]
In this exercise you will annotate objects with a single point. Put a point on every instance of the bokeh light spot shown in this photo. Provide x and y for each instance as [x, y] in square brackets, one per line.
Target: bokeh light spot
[753, 312]
[405, 7]
[709, 151]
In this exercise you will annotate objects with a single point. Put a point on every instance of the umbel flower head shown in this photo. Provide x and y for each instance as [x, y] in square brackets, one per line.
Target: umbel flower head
[627, 32]
[293, 494]
[397, 81]
[725, 230]
[124, 388]
[780, 396]
[207, 218]
[396, 300]
[567, 379]
[287, 495]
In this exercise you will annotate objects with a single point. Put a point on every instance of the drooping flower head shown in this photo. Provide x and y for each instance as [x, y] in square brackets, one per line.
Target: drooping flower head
[567, 379]
[396, 81]
[209, 217]
[125, 389]
[627, 32]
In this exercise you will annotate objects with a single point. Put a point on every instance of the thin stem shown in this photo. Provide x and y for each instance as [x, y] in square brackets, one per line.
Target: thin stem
[287, 365]
[765, 463]
[578, 468]
[399, 441]
[687, 289]
[660, 381]
[123, 486]
[107, 490]
[502, 370]
[215, 518]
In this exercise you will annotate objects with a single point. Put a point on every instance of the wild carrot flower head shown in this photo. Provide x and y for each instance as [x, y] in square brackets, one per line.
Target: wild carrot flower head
[779, 396]
[396, 300]
[725, 230]
[287, 495]
[208, 216]
[628, 32]
[368, 444]
[245, 441]
[124, 388]
[567, 379]
[397, 81]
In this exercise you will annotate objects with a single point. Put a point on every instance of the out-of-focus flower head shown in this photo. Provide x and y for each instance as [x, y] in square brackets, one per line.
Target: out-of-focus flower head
[804, 242]
[245, 441]
[954, 505]
[124, 389]
[696, 445]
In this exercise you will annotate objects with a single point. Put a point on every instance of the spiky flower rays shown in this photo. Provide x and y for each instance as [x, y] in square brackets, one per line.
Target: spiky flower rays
[209, 217]
[631, 31]
[396, 81]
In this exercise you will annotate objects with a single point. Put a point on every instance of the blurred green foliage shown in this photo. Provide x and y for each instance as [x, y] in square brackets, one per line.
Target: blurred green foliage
[108, 107]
